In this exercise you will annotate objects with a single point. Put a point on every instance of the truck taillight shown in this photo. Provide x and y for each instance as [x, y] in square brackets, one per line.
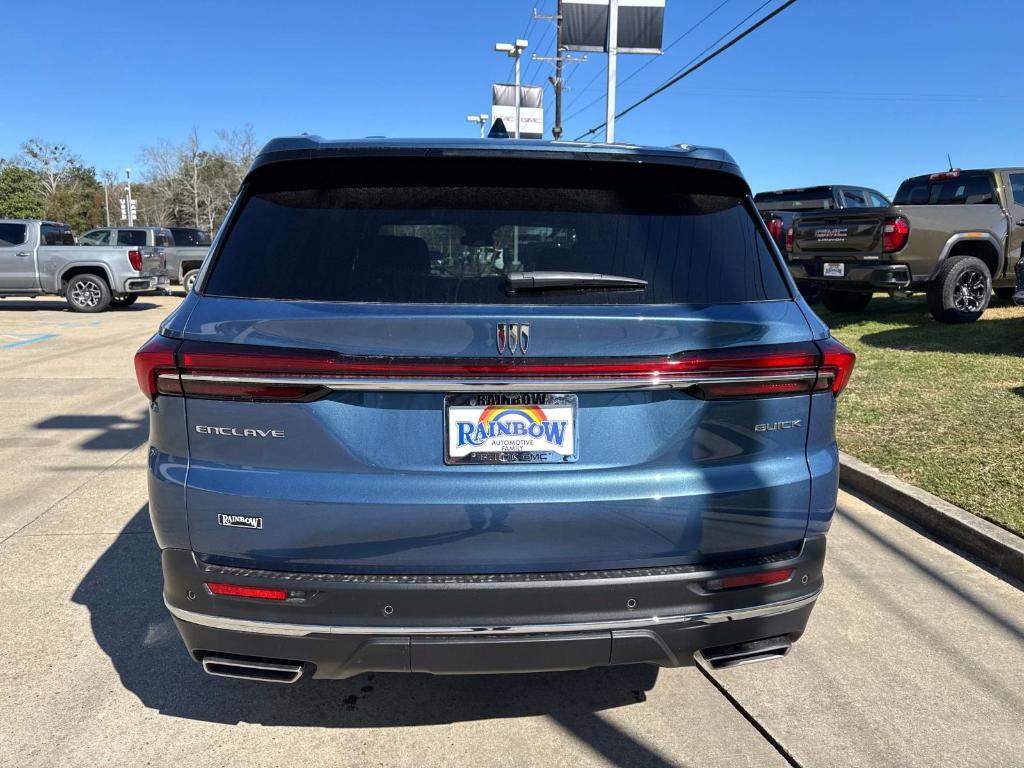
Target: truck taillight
[135, 259]
[895, 233]
[789, 240]
[775, 228]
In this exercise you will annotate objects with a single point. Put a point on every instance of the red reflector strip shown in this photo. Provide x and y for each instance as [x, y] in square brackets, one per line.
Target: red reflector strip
[750, 579]
[235, 590]
[755, 388]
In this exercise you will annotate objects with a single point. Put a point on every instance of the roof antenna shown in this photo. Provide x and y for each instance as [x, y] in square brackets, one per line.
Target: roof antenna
[950, 161]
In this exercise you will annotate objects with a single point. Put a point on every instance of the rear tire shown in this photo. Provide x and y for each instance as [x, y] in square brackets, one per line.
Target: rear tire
[87, 293]
[188, 281]
[1004, 294]
[120, 302]
[845, 301]
[961, 291]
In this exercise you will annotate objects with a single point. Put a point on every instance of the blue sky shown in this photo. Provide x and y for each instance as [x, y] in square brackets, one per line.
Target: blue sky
[850, 91]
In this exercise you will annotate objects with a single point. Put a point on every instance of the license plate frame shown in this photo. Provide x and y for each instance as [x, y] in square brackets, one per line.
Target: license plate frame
[834, 269]
[472, 405]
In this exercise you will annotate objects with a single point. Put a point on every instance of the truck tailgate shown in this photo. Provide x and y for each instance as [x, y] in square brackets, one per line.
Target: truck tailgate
[853, 234]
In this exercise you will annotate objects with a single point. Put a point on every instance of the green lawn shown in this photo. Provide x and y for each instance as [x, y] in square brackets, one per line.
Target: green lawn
[940, 406]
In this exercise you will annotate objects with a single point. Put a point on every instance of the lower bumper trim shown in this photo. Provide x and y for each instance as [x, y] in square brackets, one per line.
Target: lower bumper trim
[282, 629]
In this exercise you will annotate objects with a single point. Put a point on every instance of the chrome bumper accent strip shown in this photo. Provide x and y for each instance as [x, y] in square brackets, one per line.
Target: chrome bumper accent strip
[508, 385]
[646, 622]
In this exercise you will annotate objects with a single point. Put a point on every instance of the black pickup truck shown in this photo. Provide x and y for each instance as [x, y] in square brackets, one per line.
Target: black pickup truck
[779, 208]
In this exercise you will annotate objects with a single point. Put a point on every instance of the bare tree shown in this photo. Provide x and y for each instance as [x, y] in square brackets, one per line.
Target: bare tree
[52, 163]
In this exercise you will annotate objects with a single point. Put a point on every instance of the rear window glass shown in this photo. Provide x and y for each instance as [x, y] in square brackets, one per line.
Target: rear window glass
[973, 189]
[190, 238]
[12, 234]
[163, 239]
[56, 234]
[131, 237]
[442, 245]
[797, 200]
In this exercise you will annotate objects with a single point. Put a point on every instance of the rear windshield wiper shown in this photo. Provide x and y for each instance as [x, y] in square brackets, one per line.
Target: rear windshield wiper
[539, 281]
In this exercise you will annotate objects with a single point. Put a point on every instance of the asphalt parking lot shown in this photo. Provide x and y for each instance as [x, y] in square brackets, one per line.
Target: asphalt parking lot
[913, 657]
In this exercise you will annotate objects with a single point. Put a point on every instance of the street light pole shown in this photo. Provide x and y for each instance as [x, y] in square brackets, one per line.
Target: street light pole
[515, 51]
[613, 39]
[482, 119]
[128, 190]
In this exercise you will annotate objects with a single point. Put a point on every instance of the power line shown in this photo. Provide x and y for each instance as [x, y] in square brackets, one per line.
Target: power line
[690, 70]
[650, 61]
[526, 33]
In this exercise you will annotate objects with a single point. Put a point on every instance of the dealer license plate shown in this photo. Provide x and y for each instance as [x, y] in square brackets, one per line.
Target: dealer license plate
[835, 270]
[509, 428]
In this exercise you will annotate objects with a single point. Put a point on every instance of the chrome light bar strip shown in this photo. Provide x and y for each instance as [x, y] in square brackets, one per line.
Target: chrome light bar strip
[485, 384]
[301, 630]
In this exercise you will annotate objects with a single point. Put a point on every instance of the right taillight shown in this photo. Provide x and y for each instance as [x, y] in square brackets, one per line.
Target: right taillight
[775, 228]
[135, 259]
[789, 240]
[836, 366]
[895, 233]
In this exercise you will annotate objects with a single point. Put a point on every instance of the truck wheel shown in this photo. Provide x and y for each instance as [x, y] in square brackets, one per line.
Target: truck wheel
[844, 301]
[961, 291]
[120, 302]
[189, 280]
[87, 293]
[1004, 294]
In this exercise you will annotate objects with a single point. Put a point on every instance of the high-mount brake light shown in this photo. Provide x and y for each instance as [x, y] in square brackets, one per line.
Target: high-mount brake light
[952, 173]
[237, 590]
[895, 233]
[135, 259]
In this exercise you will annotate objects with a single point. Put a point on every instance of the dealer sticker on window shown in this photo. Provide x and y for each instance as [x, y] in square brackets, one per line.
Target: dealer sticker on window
[510, 428]
[834, 270]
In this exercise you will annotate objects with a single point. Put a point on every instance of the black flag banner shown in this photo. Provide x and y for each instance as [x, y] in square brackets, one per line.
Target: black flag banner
[641, 25]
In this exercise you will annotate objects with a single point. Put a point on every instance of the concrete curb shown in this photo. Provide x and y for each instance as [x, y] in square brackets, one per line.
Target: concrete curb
[986, 541]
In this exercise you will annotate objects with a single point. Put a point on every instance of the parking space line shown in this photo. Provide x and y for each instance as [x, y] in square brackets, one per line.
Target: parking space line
[30, 340]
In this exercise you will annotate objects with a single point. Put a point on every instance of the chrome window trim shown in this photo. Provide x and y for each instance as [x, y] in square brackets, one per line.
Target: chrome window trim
[567, 384]
[647, 622]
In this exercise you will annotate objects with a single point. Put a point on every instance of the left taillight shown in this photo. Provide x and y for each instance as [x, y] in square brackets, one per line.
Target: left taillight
[135, 259]
[775, 228]
[789, 240]
[156, 358]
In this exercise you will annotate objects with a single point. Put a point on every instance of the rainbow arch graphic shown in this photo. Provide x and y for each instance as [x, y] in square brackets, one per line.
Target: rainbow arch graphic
[532, 413]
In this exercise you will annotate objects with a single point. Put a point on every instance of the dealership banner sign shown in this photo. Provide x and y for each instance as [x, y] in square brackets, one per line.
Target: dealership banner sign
[531, 109]
[641, 25]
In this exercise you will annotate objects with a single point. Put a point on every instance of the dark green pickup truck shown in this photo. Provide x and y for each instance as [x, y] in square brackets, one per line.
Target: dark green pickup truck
[955, 235]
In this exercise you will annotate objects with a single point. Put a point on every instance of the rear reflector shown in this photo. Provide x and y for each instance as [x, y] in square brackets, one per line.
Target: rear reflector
[236, 590]
[749, 580]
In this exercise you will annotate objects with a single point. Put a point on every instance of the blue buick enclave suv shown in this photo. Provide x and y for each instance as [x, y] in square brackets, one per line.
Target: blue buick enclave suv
[490, 406]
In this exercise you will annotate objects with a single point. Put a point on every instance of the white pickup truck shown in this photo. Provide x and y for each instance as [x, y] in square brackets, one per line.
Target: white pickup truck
[39, 258]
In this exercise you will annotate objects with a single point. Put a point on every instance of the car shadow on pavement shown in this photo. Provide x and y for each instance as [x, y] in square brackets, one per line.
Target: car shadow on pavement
[108, 432]
[123, 593]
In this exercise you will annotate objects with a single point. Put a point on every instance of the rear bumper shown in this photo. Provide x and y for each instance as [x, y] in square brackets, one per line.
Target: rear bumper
[346, 625]
[859, 275]
[143, 284]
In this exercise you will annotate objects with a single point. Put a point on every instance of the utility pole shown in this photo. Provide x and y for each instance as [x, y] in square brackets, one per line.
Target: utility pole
[560, 58]
[613, 38]
[106, 199]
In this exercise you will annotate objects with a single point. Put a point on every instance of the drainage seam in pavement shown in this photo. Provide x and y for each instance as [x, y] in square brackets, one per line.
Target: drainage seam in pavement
[749, 717]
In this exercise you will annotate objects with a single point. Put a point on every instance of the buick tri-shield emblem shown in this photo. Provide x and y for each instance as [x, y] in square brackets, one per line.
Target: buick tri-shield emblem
[513, 338]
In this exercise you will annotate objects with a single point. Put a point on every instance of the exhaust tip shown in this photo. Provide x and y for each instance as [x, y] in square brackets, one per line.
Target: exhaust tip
[766, 649]
[252, 669]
